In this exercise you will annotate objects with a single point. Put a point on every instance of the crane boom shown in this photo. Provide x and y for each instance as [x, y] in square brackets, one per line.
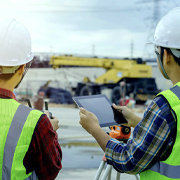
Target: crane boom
[116, 69]
[58, 61]
[138, 76]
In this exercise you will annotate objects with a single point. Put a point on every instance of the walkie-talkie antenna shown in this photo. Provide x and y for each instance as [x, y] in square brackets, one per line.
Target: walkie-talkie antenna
[29, 103]
[46, 108]
[46, 105]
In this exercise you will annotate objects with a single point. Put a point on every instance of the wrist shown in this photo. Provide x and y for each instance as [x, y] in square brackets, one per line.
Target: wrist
[95, 129]
[101, 137]
[136, 120]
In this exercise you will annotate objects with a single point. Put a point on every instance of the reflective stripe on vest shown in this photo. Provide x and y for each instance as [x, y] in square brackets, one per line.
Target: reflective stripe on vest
[167, 170]
[14, 133]
[176, 91]
[33, 176]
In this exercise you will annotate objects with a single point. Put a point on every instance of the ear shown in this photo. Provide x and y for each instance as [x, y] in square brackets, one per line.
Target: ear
[21, 69]
[167, 57]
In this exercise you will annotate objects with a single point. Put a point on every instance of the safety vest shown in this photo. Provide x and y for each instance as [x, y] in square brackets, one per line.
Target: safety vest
[17, 124]
[170, 168]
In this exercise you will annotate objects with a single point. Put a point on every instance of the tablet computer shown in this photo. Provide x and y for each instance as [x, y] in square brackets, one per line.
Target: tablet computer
[101, 106]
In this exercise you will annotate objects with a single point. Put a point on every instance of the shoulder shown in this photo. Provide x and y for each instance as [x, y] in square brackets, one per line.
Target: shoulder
[44, 121]
[43, 132]
[44, 129]
[159, 108]
[158, 103]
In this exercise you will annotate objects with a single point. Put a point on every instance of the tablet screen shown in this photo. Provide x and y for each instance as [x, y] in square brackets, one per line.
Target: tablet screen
[100, 105]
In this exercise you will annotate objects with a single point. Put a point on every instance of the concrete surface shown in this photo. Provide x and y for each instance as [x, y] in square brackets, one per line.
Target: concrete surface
[81, 154]
[88, 174]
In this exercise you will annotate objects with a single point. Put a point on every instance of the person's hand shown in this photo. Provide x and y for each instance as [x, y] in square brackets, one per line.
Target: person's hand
[88, 121]
[132, 119]
[54, 121]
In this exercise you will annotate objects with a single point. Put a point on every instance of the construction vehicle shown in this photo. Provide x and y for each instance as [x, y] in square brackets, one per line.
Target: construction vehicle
[135, 73]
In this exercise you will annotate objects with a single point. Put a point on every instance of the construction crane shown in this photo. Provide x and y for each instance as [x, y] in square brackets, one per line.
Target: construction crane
[135, 73]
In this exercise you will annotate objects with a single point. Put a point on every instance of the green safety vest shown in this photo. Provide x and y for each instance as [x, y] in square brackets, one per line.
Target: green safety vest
[170, 168]
[17, 124]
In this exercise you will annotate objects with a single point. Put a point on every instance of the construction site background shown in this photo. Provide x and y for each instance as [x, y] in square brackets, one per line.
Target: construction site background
[78, 146]
[67, 77]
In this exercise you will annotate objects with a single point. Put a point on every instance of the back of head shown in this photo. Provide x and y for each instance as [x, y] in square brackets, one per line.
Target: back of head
[15, 46]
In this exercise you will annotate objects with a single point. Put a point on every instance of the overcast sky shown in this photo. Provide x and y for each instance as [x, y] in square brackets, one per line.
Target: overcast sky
[88, 27]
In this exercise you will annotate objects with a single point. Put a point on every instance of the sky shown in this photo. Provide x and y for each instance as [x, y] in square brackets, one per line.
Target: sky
[108, 28]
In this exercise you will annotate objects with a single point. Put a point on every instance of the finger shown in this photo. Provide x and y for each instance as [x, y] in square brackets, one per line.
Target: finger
[46, 112]
[80, 122]
[82, 115]
[84, 111]
[55, 119]
[118, 107]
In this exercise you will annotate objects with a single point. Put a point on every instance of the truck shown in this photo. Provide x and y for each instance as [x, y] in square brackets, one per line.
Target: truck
[135, 73]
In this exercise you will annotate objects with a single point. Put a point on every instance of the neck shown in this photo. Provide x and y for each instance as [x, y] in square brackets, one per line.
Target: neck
[174, 76]
[6, 85]
[175, 81]
[9, 82]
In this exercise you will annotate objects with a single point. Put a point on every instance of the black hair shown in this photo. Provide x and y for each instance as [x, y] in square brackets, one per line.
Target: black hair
[177, 60]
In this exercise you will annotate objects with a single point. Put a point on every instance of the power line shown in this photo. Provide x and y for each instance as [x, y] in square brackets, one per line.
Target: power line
[79, 9]
[154, 20]
[83, 11]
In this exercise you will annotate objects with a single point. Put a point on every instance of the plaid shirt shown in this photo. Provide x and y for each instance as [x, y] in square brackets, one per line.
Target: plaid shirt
[153, 139]
[44, 153]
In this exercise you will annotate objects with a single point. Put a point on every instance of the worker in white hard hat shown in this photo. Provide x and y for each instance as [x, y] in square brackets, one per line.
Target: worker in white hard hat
[153, 151]
[29, 147]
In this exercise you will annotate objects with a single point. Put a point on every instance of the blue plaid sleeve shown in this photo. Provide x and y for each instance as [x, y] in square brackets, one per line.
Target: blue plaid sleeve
[152, 141]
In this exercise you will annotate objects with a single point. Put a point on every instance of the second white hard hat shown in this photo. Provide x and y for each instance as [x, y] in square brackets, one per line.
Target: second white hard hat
[167, 31]
[15, 43]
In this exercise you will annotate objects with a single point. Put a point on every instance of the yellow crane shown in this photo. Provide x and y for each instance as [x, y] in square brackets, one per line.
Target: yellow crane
[136, 75]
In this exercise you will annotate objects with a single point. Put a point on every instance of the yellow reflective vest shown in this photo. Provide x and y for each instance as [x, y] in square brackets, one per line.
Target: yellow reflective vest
[170, 168]
[17, 124]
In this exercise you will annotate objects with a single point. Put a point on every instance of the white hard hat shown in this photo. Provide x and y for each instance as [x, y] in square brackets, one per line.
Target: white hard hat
[15, 44]
[167, 32]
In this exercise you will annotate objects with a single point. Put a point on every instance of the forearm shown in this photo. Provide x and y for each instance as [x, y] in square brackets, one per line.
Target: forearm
[122, 158]
[101, 137]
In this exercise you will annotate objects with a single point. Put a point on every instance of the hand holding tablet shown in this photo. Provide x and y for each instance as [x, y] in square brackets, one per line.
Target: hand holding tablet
[102, 107]
[118, 117]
